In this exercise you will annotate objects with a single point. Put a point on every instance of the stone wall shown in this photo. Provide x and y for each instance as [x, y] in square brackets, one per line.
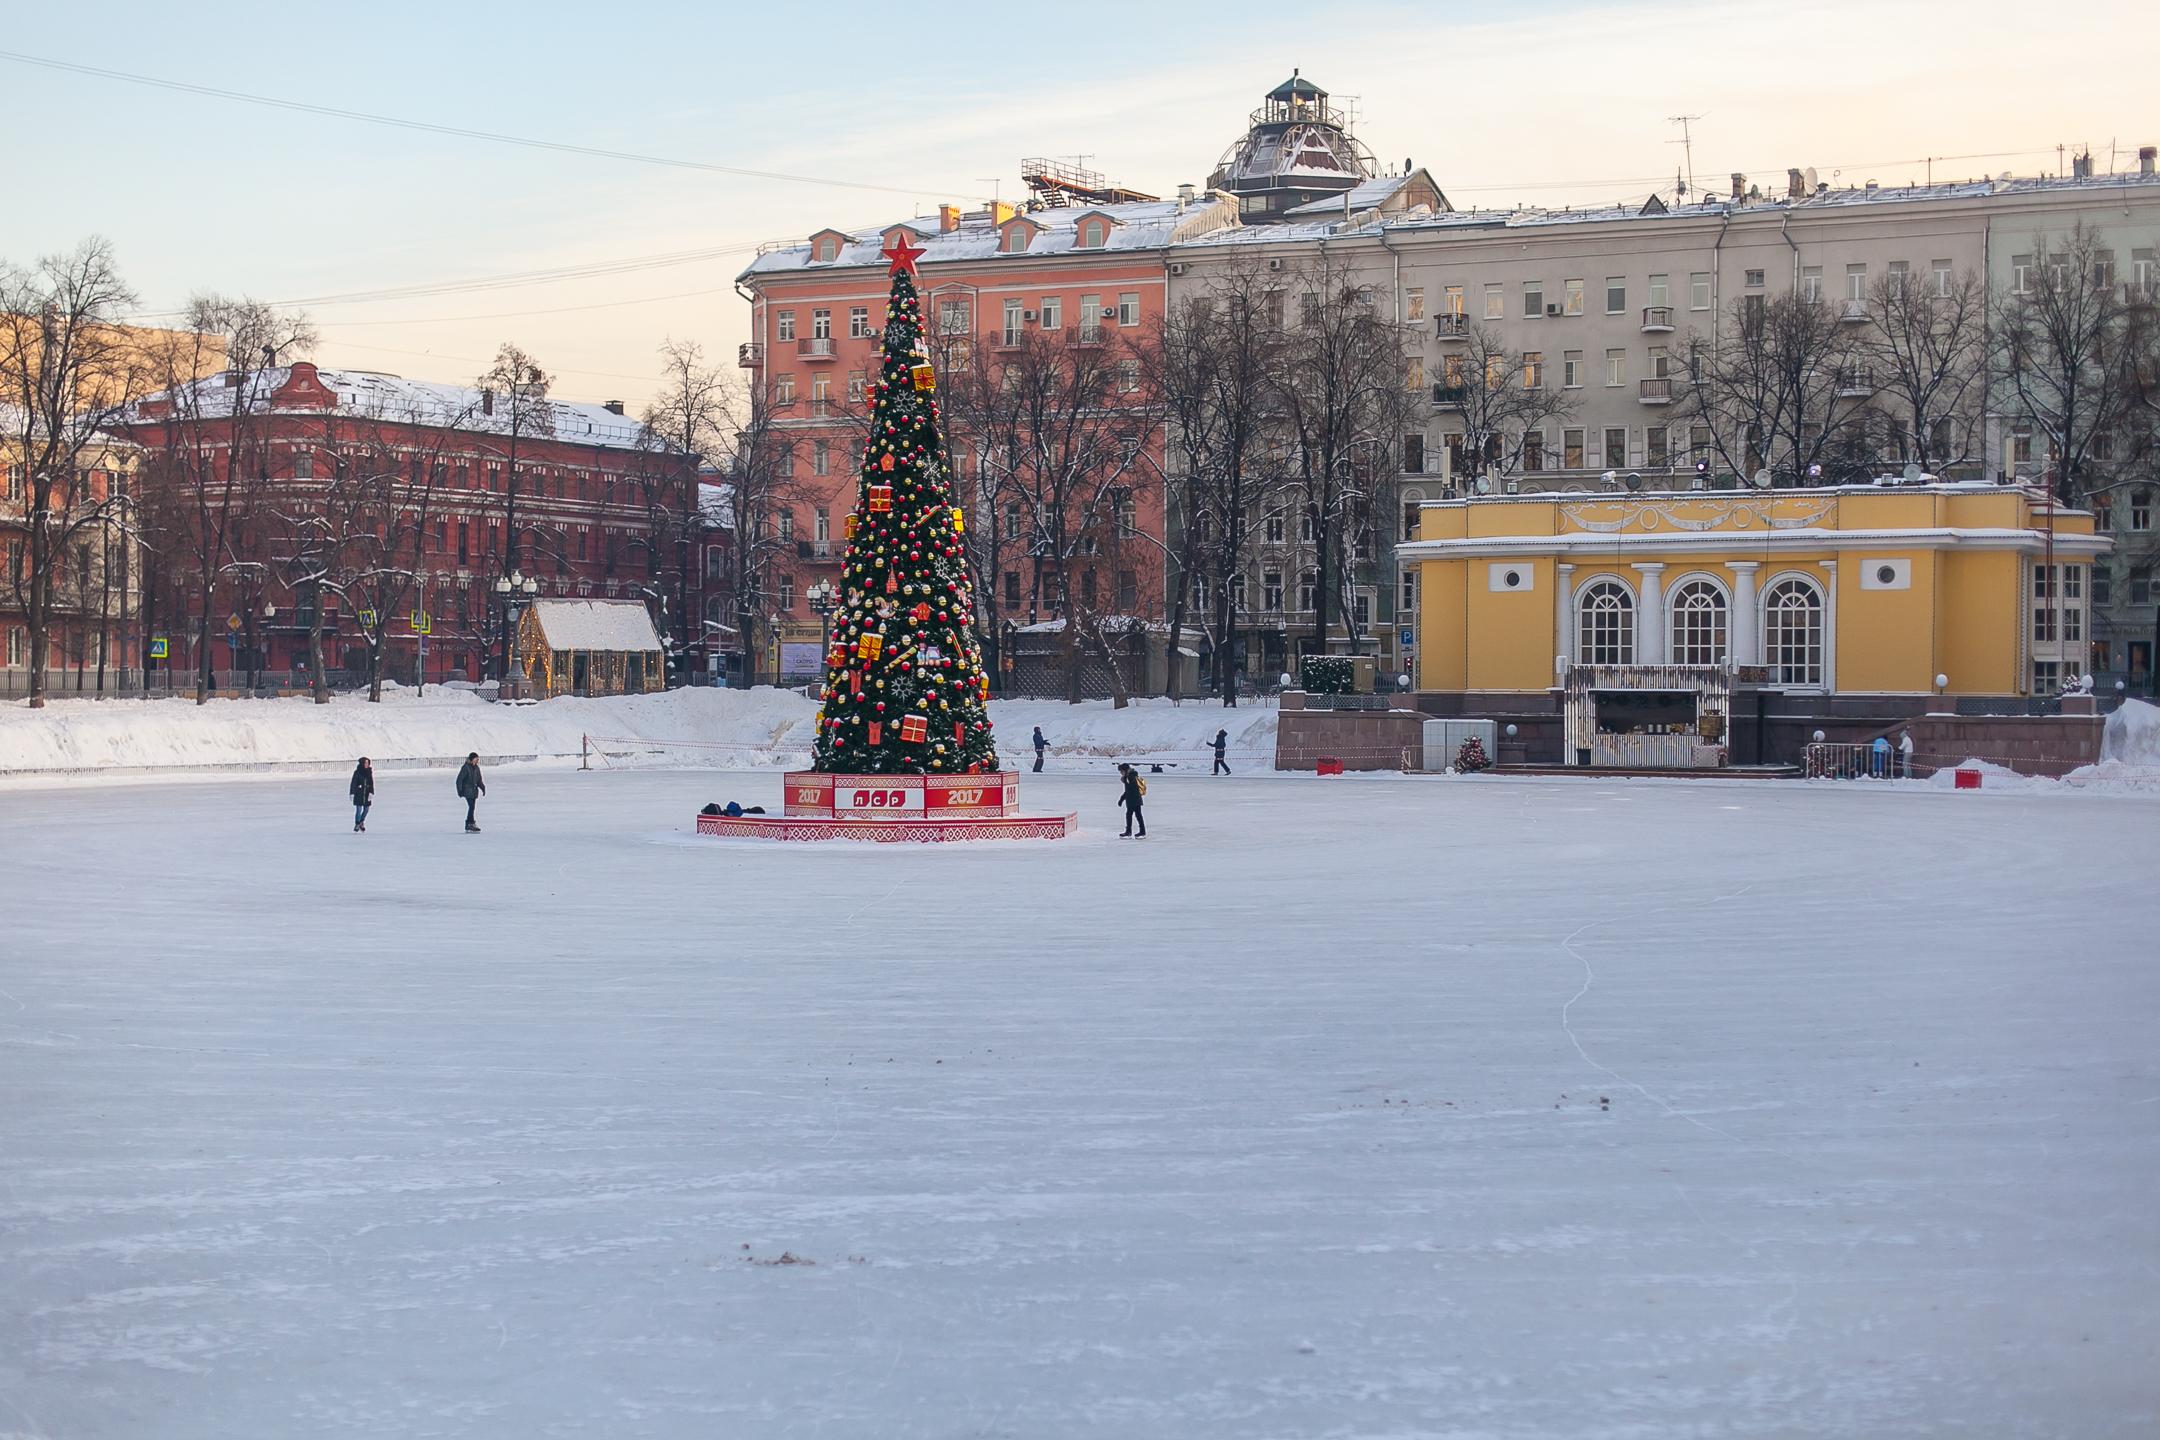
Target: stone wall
[2029, 744]
[1361, 739]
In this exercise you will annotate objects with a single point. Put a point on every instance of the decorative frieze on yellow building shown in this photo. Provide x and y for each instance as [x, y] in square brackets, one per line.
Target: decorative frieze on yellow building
[1868, 590]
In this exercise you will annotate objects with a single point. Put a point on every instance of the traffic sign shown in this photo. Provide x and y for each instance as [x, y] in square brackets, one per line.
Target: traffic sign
[232, 622]
[159, 648]
[1405, 637]
[367, 618]
[423, 623]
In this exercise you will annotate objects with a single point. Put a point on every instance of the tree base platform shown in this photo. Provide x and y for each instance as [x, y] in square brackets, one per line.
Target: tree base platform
[895, 808]
[889, 831]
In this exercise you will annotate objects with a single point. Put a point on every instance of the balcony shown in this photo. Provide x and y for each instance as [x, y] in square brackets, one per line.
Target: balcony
[1089, 335]
[1854, 313]
[813, 549]
[1453, 327]
[814, 347]
[1450, 397]
[749, 355]
[1855, 384]
[1656, 319]
[1007, 339]
[1656, 390]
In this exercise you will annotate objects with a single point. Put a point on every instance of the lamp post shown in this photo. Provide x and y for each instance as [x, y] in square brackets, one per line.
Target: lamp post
[515, 590]
[824, 598]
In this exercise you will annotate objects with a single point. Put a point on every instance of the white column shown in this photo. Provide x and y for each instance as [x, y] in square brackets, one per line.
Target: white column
[1743, 635]
[1563, 616]
[1650, 638]
[1829, 628]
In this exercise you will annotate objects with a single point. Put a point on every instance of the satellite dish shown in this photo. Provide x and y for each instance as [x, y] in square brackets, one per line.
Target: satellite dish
[1762, 479]
[1609, 479]
[1633, 481]
[1484, 485]
[1913, 473]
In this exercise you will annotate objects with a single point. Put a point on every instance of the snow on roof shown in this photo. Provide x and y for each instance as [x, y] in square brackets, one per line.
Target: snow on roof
[1141, 225]
[716, 504]
[1365, 195]
[595, 625]
[372, 395]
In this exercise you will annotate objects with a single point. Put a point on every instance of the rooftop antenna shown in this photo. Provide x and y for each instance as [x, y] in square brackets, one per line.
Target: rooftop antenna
[1686, 142]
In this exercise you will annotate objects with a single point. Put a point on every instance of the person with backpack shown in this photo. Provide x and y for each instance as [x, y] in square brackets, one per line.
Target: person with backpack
[362, 789]
[1222, 744]
[1041, 745]
[470, 787]
[1130, 797]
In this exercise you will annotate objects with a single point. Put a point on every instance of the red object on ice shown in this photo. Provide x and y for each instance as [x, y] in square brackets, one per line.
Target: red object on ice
[1327, 765]
[1967, 780]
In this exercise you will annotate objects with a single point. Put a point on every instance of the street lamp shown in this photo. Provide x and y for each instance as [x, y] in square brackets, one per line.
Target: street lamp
[824, 598]
[515, 591]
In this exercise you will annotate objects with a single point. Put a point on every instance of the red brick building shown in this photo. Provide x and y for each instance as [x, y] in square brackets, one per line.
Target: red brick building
[388, 500]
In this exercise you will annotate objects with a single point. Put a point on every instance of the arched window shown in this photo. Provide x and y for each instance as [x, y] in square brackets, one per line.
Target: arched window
[1793, 632]
[1698, 624]
[1606, 635]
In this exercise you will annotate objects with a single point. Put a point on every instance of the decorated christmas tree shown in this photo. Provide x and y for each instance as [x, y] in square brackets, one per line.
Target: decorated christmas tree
[905, 690]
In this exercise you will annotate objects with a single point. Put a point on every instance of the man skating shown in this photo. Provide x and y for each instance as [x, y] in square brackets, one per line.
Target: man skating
[1041, 745]
[1130, 798]
[362, 790]
[470, 787]
[1222, 746]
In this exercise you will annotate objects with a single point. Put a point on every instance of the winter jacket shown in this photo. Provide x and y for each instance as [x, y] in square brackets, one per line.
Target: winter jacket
[1222, 742]
[362, 787]
[1135, 787]
[469, 783]
[1040, 743]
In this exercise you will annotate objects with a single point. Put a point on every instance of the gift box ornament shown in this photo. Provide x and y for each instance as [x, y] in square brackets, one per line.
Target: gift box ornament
[924, 377]
[880, 499]
[876, 731]
[848, 524]
[959, 520]
[913, 728]
[869, 647]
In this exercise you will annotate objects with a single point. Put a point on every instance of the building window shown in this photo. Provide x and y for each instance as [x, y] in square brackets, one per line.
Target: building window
[1414, 373]
[821, 324]
[1495, 303]
[857, 387]
[14, 648]
[1128, 592]
[1698, 624]
[1698, 290]
[821, 525]
[1409, 592]
[1012, 589]
[2141, 509]
[858, 322]
[1606, 632]
[1413, 454]
[1615, 446]
[1533, 298]
[784, 325]
[2021, 267]
[1271, 590]
[1660, 291]
[1013, 323]
[820, 464]
[1657, 447]
[1308, 591]
[1413, 304]
[1092, 234]
[1237, 593]
[1091, 318]
[820, 396]
[787, 592]
[1616, 367]
[1855, 283]
[1571, 297]
[1533, 370]
[1754, 279]
[1015, 239]
[1128, 308]
[1453, 297]
[2046, 676]
[952, 317]
[1571, 368]
[1616, 294]
[1811, 282]
[783, 393]
[1533, 450]
[1272, 529]
[1053, 313]
[1793, 632]
[1571, 449]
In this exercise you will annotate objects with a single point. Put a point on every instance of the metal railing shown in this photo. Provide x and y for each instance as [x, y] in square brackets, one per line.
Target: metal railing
[1657, 317]
[1655, 390]
[749, 355]
[1450, 397]
[815, 347]
[1453, 327]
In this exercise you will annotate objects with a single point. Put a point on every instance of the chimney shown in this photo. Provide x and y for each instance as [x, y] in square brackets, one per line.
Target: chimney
[948, 219]
[1739, 186]
[1001, 211]
[1795, 185]
[487, 402]
[2081, 166]
[1185, 194]
[613, 407]
[2145, 159]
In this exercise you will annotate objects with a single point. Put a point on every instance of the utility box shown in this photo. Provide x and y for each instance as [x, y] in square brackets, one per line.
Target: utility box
[1444, 737]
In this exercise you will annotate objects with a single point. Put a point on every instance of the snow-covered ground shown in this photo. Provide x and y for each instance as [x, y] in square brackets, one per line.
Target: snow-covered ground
[1383, 1107]
[714, 729]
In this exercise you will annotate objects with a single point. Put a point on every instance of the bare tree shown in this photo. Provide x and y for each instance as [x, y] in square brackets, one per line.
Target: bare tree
[1061, 421]
[1503, 396]
[755, 462]
[515, 408]
[1780, 387]
[207, 448]
[686, 422]
[66, 371]
[1339, 388]
[1925, 355]
[2065, 358]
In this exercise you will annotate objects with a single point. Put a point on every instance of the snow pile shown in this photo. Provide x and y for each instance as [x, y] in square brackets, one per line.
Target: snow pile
[730, 728]
[704, 729]
[2132, 736]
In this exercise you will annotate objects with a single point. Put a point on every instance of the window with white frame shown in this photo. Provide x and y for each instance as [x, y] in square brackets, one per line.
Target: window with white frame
[1793, 632]
[1272, 529]
[1571, 297]
[14, 647]
[1128, 308]
[1308, 591]
[1533, 298]
[1053, 313]
[1616, 294]
[1605, 633]
[1616, 367]
[1495, 302]
[821, 324]
[952, 317]
[2141, 509]
[1811, 282]
[1855, 283]
[1414, 303]
[1409, 592]
[1013, 324]
[1660, 290]
[820, 464]
[1698, 623]
[1571, 368]
[784, 326]
[1698, 290]
[1942, 271]
[1270, 589]
[2021, 272]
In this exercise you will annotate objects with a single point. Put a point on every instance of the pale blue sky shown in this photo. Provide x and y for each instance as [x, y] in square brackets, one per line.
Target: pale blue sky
[1548, 102]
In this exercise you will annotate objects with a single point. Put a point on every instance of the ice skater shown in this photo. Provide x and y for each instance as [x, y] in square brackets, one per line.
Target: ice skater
[1130, 797]
[1905, 753]
[470, 787]
[1222, 745]
[1041, 745]
[362, 790]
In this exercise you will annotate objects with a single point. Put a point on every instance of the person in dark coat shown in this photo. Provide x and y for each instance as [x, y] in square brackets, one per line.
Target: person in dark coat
[1130, 798]
[1040, 746]
[470, 787]
[1222, 744]
[362, 790]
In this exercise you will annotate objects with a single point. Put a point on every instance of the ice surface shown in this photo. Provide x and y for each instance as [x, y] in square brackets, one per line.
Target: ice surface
[1380, 1107]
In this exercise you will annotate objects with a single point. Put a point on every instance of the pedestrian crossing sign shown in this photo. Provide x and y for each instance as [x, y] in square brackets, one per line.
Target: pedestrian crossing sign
[422, 623]
[158, 647]
[367, 618]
